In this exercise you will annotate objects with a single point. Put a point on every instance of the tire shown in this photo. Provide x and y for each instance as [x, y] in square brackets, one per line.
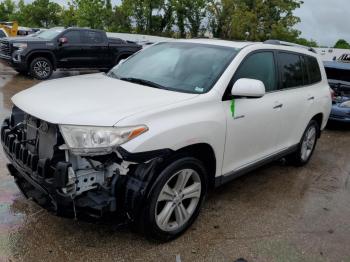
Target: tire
[306, 146]
[157, 224]
[41, 68]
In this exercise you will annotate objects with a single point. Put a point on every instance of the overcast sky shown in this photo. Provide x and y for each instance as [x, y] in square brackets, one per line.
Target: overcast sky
[325, 21]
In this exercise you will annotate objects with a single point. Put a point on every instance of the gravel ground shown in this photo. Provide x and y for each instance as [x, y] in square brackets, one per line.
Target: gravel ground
[277, 213]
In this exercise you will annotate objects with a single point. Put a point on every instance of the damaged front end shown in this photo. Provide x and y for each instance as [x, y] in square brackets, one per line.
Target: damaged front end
[48, 172]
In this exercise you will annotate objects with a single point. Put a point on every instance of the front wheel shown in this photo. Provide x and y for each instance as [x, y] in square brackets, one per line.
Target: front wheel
[307, 145]
[175, 200]
[41, 68]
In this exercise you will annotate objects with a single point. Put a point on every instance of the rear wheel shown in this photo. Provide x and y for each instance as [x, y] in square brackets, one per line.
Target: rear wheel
[41, 68]
[306, 146]
[176, 199]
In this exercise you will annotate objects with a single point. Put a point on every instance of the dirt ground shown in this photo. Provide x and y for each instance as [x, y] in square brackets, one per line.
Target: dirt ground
[278, 213]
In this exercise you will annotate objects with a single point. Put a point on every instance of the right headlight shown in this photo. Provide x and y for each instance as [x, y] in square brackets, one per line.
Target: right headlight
[92, 140]
[20, 46]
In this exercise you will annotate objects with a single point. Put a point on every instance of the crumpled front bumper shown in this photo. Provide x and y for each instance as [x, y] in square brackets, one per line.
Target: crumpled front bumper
[32, 177]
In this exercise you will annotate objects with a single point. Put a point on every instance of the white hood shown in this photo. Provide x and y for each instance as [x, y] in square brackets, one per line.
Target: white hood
[95, 100]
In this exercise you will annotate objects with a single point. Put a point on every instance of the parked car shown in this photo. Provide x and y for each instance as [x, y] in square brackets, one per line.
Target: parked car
[3, 33]
[339, 80]
[148, 139]
[72, 48]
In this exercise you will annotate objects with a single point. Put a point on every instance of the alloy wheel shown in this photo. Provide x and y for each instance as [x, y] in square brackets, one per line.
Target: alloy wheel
[308, 143]
[42, 69]
[178, 200]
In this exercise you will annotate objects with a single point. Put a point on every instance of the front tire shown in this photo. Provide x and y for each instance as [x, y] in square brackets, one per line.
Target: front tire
[306, 146]
[41, 68]
[175, 200]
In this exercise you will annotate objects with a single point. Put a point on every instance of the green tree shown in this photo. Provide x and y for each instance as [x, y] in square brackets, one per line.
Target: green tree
[343, 44]
[90, 13]
[69, 16]
[7, 10]
[120, 21]
[255, 20]
[40, 13]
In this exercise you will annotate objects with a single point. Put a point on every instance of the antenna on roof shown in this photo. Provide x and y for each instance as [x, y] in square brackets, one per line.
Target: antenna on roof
[284, 43]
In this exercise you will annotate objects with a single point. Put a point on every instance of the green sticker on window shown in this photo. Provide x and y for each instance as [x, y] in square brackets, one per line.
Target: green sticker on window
[233, 107]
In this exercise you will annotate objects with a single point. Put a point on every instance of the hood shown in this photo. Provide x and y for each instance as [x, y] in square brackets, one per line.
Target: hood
[96, 100]
[26, 39]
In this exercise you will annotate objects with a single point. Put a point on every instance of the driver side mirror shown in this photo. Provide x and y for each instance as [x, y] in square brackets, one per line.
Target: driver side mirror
[63, 40]
[250, 88]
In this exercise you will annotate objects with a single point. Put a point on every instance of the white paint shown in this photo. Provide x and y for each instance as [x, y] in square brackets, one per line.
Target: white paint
[176, 120]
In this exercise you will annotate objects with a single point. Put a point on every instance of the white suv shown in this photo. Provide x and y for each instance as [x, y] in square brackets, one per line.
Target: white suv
[148, 139]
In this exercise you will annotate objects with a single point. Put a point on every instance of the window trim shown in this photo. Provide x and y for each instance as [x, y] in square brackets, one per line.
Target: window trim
[227, 96]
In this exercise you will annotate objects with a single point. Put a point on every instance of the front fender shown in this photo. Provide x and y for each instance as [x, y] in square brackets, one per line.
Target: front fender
[179, 127]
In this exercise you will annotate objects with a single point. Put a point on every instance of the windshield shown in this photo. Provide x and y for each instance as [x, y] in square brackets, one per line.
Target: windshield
[50, 34]
[183, 67]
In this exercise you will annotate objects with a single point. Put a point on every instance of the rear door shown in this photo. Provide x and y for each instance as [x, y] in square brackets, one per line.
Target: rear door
[295, 97]
[95, 44]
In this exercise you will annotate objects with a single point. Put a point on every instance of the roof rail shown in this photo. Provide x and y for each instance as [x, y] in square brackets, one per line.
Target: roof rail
[284, 43]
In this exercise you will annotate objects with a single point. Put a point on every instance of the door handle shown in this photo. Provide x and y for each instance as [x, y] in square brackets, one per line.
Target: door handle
[311, 98]
[278, 106]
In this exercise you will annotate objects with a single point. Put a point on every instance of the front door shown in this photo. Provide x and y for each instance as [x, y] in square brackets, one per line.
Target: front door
[71, 53]
[253, 125]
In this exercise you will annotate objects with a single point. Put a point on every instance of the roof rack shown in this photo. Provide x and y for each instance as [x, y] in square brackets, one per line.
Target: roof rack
[284, 43]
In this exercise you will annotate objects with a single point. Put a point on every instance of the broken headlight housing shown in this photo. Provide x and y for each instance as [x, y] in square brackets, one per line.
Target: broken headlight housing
[92, 140]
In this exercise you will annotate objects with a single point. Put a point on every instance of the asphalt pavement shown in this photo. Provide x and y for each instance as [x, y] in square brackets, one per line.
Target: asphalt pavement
[277, 213]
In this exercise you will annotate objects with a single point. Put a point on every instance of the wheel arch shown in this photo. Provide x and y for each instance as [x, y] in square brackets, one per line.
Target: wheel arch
[47, 54]
[201, 151]
[319, 119]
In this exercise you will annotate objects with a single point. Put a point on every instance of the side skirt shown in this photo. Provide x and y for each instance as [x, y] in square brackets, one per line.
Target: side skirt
[242, 171]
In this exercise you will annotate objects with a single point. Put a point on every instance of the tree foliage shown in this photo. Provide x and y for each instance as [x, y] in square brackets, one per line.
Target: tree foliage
[341, 43]
[253, 20]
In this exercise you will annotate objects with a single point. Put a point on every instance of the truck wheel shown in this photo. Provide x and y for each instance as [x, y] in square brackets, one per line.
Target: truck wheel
[306, 146]
[175, 200]
[41, 68]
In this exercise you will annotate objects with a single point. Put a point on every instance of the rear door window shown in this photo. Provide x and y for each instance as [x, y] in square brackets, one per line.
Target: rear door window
[259, 66]
[291, 70]
[92, 37]
[2, 34]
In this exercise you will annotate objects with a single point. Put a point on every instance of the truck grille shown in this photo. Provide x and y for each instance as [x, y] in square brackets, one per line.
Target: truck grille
[5, 48]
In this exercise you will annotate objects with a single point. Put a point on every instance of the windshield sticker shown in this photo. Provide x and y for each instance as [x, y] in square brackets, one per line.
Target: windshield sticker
[233, 107]
[198, 89]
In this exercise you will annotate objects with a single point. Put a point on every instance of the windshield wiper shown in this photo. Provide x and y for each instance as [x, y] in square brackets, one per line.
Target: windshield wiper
[142, 82]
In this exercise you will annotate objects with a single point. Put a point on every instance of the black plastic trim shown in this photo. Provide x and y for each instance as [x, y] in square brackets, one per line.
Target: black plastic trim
[240, 172]
[143, 157]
